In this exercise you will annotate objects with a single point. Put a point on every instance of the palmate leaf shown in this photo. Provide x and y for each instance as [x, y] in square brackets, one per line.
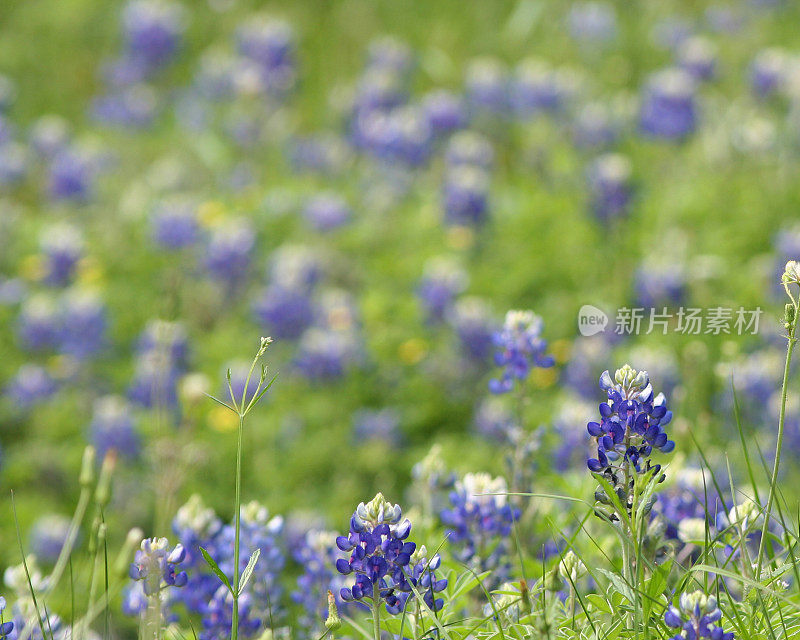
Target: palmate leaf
[219, 573]
[248, 570]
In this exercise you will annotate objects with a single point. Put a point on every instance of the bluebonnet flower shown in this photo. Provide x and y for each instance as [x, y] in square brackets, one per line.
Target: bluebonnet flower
[317, 555]
[71, 176]
[768, 71]
[31, 385]
[63, 246]
[487, 86]
[47, 537]
[689, 505]
[669, 108]
[168, 338]
[631, 425]
[112, 428]
[537, 88]
[697, 56]
[156, 566]
[284, 312]
[152, 31]
[594, 127]
[402, 135]
[465, 196]
[696, 617]
[480, 521]
[377, 91]
[295, 267]
[155, 381]
[24, 614]
[610, 187]
[230, 251]
[660, 283]
[270, 44]
[444, 111]
[471, 149]
[49, 135]
[442, 280]
[520, 347]
[377, 425]
[83, 324]
[218, 616]
[592, 22]
[327, 211]
[325, 353]
[384, 561]
[197, 526]
[133, 106]
[175, 224]
[39, 323]
[6, 626]
[474, 324]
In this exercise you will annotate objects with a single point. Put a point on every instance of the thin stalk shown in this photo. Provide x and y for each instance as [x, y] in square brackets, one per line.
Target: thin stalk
[376, 612]
[791, 340]
[237, 527]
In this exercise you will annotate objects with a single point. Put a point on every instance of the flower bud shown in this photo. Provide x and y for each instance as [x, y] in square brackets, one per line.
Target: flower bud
[333, 622]
[86, 477]
[103, 493]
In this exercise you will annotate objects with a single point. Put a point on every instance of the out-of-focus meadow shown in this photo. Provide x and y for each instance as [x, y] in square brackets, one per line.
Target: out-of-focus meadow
[374, 184]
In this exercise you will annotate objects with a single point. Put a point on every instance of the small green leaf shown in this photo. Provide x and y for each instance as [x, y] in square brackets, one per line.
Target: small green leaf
[216, 569]
[619, 585]
[248, 570]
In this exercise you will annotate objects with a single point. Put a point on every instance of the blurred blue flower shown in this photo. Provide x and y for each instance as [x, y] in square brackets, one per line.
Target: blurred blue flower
[669, 108]
[112, 428]
[31, 385]
[610, 186]
[480, 521]
[62, 246]
[520, 347]
[174, 224]
[327, 211]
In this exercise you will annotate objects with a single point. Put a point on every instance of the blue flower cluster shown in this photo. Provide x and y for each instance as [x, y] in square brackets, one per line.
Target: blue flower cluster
[385, 563]
[631, 424]
[317, 554]
[690, 505]
[163, 351]
[480, 522]
[112, 428]
[697, 618]
[198, 526]
[520, 347]
[156, 565]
